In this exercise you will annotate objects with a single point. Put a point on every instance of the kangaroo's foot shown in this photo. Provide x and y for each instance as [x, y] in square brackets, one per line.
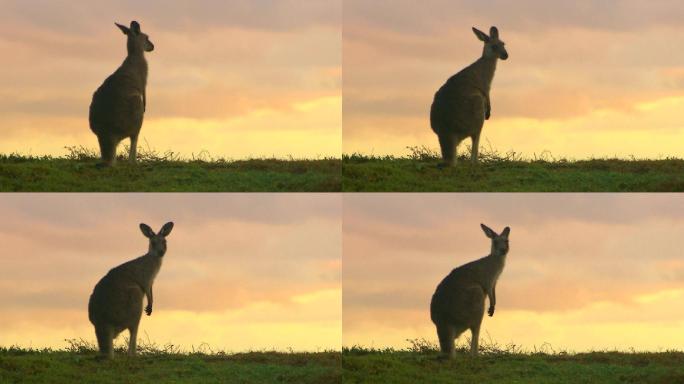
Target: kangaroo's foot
[103, 164]
[446, 164]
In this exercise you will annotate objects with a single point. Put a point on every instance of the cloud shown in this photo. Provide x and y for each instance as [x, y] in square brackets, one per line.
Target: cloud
[183, 15]
[228, 253]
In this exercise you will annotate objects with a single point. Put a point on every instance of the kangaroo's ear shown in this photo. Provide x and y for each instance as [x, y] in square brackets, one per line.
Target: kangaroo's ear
[481, 35]
[146, 230]
[488, 231]
[506, 232]
[166, 229]
[135, 27]
[494, 32]
[123, 28]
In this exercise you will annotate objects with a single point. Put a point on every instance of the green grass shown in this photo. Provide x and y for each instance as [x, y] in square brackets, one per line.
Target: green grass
[508, 173]
[79, 364]
[423, 364]
[167, 172]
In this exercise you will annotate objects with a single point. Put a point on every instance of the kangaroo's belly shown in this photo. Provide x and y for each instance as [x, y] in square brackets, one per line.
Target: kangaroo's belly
[458, 114]
[458, 304]
[118, 304]
[116, 114]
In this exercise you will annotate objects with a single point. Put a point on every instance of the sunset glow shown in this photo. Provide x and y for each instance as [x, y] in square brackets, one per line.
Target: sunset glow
[242, 272]
[233, 79]
[584, 272]
[602, 79]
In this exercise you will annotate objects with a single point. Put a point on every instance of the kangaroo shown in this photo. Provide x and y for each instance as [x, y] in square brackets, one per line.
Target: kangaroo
[119, 104]
[117, 300]
[462, 104]
[458, 301]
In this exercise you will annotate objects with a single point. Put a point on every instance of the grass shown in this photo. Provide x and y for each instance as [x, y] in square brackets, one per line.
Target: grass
[421, 363]
[168, 172]
[510, 172]
[78, 363]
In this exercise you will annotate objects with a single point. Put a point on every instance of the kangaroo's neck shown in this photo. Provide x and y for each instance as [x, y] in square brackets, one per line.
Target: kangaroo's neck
[154, 262]
[484, 69]
[498, 256]
[136, 64]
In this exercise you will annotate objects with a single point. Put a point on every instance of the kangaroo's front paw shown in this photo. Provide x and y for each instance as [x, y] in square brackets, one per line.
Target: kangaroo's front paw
[491, 311]
[148, 310]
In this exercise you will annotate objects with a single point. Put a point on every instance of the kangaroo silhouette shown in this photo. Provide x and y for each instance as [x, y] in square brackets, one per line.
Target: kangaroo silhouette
[117, 300]
[458, 301]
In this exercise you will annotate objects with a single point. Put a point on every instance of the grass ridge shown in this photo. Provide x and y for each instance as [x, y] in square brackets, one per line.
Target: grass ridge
[509, 172]
[166, 172]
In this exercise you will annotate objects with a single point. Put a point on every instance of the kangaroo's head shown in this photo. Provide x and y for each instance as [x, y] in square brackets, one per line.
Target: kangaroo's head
[493, 47]
[138, 42]
[157, 240]
[499, 242]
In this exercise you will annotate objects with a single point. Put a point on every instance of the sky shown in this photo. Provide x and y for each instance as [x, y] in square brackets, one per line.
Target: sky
[584, 271]
[242, 271]
[587, 78]
[232, 79]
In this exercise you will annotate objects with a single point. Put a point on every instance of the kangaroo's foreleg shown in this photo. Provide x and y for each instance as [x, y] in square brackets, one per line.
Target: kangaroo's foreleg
[492, 300]
[150, 300]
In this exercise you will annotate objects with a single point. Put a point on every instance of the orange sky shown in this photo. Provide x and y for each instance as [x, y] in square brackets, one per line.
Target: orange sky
[242, 271]
[604, 78]
[585, 271]
[238, 78]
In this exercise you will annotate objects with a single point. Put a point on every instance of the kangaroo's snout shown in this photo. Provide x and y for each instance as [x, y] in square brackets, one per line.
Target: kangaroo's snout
[158, 246]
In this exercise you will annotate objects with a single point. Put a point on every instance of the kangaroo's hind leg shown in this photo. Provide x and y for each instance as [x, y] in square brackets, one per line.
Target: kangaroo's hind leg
[134, 303]
[105, 340]
[475, 339]
[475, 303]
[447, 336]
[476, 148]
[133, 153]
[447, 144]
[107, 150]
[132, 342]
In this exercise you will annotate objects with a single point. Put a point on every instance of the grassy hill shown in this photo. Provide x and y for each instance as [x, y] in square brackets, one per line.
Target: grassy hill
[167, 172]
[78, 364]
[419, 172]
[422, 364]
